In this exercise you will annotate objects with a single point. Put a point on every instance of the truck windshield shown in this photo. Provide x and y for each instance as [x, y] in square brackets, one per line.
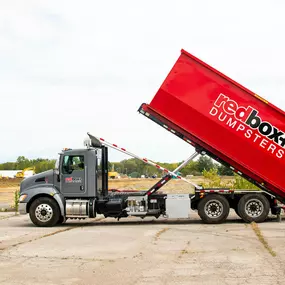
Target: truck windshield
[99, 172]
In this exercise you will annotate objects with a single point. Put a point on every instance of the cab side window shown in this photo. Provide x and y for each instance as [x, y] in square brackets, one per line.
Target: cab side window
[71, 163]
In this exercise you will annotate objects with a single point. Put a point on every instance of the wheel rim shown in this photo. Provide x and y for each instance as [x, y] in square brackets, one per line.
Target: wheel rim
[213, 208]
[254, 208]
[44, 212]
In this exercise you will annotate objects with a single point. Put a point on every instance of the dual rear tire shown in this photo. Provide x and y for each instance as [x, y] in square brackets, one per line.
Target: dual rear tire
[253, 208]
[215, 208]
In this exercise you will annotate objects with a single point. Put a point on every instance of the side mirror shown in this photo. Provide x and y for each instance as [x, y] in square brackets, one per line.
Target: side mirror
[57, 175]
[56, 168]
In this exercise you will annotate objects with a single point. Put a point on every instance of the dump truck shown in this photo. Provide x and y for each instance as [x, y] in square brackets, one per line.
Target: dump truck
[211, 112]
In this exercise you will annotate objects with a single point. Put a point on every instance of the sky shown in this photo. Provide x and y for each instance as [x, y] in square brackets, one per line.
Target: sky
[72, 67]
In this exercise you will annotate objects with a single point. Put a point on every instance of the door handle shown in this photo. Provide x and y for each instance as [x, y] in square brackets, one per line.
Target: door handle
[81, 187]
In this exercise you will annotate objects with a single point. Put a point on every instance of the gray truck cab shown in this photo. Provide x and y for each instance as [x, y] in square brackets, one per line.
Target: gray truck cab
[70, 190]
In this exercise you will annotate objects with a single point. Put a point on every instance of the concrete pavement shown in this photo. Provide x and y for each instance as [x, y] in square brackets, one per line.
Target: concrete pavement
[135, 251]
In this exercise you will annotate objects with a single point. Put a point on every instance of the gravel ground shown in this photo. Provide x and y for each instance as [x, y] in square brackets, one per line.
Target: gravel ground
[135, 251]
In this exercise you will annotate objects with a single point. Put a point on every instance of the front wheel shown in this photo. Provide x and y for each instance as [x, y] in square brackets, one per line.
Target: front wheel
[213, 209]
[44, 212]
[253, 208]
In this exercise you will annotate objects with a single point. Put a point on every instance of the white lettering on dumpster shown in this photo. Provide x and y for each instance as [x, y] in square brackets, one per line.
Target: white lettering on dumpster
[247, 120]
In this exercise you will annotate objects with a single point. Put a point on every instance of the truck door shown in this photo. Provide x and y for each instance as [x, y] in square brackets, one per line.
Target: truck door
[73, 175]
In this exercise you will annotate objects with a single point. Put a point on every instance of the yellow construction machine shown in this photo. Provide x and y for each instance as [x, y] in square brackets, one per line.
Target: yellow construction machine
[21, 174]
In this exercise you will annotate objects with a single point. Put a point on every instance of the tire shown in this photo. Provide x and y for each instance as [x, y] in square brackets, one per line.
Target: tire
[253, 208]
[44, 212]
[60, 220]
[213, 209]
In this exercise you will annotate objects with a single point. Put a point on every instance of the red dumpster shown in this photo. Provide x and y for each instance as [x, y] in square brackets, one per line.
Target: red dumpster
[223, 117]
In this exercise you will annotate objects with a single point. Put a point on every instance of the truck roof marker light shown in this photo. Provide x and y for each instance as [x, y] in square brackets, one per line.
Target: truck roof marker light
[172, 131]
[115, 146]
[165, 126]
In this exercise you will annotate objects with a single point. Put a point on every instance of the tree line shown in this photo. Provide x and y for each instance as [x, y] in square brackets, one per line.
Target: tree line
[130, 167]
[40, 164]
[135, 168]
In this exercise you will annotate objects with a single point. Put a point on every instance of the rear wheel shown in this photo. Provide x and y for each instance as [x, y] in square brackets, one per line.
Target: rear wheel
[213, 209]
[253, 208]
[44, 212]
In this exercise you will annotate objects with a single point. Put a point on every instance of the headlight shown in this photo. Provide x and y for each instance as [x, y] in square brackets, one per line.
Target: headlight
[23, 197]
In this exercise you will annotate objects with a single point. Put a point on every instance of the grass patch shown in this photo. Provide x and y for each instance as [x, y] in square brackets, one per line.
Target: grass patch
[261, 238]
[238, 249]
[183, 251]
[159, 233]
[16, 200]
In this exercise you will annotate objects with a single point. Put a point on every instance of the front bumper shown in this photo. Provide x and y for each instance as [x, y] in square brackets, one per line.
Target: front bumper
[23, 208]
